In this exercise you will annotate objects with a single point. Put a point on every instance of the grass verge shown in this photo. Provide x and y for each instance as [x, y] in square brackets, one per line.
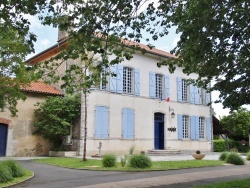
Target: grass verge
[93, 164]
[28, 174]
[234, 183]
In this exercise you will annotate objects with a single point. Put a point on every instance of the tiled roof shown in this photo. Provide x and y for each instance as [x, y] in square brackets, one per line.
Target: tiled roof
[41, 87]
[153, 50]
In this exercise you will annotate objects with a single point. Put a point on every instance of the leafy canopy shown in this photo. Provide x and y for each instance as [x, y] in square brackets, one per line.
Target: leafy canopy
[54, 117]
[237, 122]
[214, 42]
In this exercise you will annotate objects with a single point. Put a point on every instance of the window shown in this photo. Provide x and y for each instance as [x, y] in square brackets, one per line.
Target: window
[128, 123]
[201, 127]
[184, 93]
[185, 126]
[158, 86]
[127, 80]
[124, 80]
[103, 80]
[201, 96]
[101, 122]
[183, 90]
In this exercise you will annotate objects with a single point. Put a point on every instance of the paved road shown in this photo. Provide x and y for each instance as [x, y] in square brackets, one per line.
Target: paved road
[47, 176]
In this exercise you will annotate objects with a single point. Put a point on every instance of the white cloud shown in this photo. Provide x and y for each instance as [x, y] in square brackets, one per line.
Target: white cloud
[45, 42]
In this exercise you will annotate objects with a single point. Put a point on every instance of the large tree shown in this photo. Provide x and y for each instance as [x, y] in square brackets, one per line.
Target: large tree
[238, 123]
[214, 42]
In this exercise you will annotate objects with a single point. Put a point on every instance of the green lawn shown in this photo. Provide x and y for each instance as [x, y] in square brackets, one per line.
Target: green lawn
[232, 184]
[28, 174]
[97, 164]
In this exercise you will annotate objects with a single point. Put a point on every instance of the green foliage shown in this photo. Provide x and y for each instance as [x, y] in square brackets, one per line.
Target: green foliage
[54, 117]
[248, 156]
[15, 168]
[213, 44]
[140, 161]
[5, 173]
[220, 145]
[13, 71]
[235, 158]
[108, 160]
[223, 156]
[238, 122]
[123, 160]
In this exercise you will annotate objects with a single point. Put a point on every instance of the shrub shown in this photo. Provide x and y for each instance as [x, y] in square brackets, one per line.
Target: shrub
[123, 160]
[235, 158]
[140, 161]
[220, 145]
[234, 150]
[248, 156]
[223, 156]
[5, 173]
[108, 160]
[198, 152]
[16, 169]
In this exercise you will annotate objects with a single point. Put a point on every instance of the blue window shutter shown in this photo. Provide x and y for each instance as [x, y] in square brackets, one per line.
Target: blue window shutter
[105, 122]
[167, 88]
[193, 127]
[137, 82]
[179, 89]
[124, 122]
[113, 69]
[119, 79]
[131, 124]
[192, 94]
[98, 121]
[208, 125]
[197, 130]
[180, 131]
[197, 94]
[207, 98]
[152, 84]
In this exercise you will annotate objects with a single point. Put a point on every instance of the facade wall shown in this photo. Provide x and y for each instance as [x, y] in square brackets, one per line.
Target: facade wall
[144, 108]
[20, 140]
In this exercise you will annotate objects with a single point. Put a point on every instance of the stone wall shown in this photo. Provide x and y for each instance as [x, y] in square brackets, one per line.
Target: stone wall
[20, 139]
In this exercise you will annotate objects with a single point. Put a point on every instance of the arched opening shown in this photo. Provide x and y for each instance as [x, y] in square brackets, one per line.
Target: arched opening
[3, 139]
[159, 131]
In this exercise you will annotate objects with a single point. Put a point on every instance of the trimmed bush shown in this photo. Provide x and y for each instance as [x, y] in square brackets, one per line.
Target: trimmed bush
[16, 169]
[140, 161]
[108, 160]
[223, 156]
[123, 160]
[235, 158]
[220, 145]
[5, 173]
[248, 156]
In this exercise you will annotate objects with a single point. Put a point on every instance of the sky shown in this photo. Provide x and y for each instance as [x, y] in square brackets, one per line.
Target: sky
[47, 37]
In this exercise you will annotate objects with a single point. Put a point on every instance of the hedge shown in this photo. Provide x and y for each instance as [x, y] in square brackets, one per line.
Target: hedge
[220, 145]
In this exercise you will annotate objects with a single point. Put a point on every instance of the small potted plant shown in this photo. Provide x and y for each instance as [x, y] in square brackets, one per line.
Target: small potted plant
[198, 155]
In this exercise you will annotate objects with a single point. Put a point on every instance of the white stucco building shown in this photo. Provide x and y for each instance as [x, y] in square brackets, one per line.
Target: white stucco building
[134, 109]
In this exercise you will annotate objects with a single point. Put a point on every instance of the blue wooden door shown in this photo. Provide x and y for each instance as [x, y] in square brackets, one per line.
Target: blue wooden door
[3, 139]
[159, 131]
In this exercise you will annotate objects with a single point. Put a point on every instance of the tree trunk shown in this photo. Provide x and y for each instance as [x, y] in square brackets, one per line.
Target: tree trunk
[85, 127]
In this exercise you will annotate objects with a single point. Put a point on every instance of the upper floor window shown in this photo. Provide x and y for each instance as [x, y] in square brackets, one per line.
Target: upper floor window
[127, 80]
[158, 86]
[182, 90]
[103, 80]
[201, 96]
[124, 80]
